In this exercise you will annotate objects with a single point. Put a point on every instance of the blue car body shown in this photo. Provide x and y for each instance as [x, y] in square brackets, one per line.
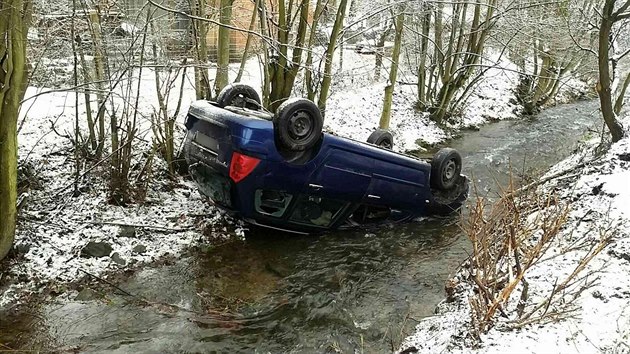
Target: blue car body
[340, 183]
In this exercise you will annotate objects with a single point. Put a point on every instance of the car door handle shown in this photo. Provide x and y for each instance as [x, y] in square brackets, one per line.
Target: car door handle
[315, 186]
[373, 196]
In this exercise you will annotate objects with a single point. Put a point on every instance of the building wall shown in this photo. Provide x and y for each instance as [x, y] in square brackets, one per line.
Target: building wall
[241, 18]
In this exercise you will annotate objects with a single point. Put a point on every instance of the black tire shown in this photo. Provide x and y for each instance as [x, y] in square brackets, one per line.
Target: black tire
[382, 138]
[239, 95]
[298, 124]
[446, 167]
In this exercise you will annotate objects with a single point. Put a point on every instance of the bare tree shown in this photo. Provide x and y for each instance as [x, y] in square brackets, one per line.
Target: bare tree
[447, 61]
[282, 71]
[547, 40]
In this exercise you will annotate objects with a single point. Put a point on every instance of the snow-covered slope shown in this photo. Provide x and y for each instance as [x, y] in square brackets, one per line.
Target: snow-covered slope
[600, 199]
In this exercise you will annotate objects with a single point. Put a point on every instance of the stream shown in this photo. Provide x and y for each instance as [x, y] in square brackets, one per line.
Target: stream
[352, 291]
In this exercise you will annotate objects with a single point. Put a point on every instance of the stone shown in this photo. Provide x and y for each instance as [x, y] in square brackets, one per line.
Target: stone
[118, 259]
[127, 231]
[140, 249]
[22, 247]
[96, 250]
[86, 294]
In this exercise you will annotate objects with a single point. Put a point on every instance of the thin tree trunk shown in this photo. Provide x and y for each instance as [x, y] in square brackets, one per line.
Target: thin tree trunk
[323, 93]
[308, 79]
[248, 42]
[380, 51]
[622, 93]
[75, 74]
[393, 72]
[292, 70]
[266, 86]
[223, 46]
[14, 21]
[200, 31]
[424, 51]
[99, 66]
[438, 33]
[603, 86]
[87, 95]
[278, 67]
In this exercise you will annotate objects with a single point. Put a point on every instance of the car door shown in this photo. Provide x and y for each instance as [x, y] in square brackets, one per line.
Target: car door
[396, 185]
[342, 175]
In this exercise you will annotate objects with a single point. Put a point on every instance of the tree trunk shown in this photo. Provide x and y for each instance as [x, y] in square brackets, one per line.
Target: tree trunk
[99, 66]
[622, 93]
[223, 46]
[200, 31]
[308, 76]
[278, 66]
[603, 86]
[323, 93]
[393, 72]
[266, 84]
[248, 42]
[296, 60]
[424, 51]
[380, 51]
[14, 20]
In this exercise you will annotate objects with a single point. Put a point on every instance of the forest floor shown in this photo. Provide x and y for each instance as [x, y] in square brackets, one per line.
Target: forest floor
[598, 321]
[68, 232]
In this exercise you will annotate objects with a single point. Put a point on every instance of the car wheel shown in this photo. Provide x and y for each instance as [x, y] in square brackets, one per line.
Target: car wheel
[382, 138]
[239, 95]
[446, 167]
[298, 124]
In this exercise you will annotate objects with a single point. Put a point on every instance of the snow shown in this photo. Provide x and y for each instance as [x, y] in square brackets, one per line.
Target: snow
[54, 225]
[493, 98]
[600, 201]
[355, 114]
[355, 111]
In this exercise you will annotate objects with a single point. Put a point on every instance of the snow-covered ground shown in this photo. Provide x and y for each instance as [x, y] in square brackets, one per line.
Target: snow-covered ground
[55, 226]
[597, 188]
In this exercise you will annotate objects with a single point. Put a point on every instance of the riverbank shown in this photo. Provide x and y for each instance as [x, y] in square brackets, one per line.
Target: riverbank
[65, 234]
[597, 321]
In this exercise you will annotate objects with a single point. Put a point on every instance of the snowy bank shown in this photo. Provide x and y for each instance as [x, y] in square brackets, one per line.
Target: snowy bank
[597, 187]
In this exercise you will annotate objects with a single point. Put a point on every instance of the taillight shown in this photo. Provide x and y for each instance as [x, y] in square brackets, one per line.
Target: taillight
[241, 166]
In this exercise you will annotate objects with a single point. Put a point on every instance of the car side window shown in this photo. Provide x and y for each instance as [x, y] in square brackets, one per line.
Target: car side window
[366, 214]
[318, 211]
[271, 202]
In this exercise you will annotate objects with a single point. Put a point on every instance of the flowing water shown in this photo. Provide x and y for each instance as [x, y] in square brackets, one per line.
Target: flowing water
[353, 291]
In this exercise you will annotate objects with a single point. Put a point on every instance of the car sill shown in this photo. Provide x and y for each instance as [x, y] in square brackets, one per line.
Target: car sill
[254, 222]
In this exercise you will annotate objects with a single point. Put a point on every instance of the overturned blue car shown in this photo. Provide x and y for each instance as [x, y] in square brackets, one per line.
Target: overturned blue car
[281, 171]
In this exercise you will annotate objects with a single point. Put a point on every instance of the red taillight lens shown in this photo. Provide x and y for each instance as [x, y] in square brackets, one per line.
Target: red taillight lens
[241, 166]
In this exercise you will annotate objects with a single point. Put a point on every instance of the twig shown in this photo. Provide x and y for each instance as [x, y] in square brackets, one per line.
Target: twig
[546, 179]
[108, 283]
[141, 226]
